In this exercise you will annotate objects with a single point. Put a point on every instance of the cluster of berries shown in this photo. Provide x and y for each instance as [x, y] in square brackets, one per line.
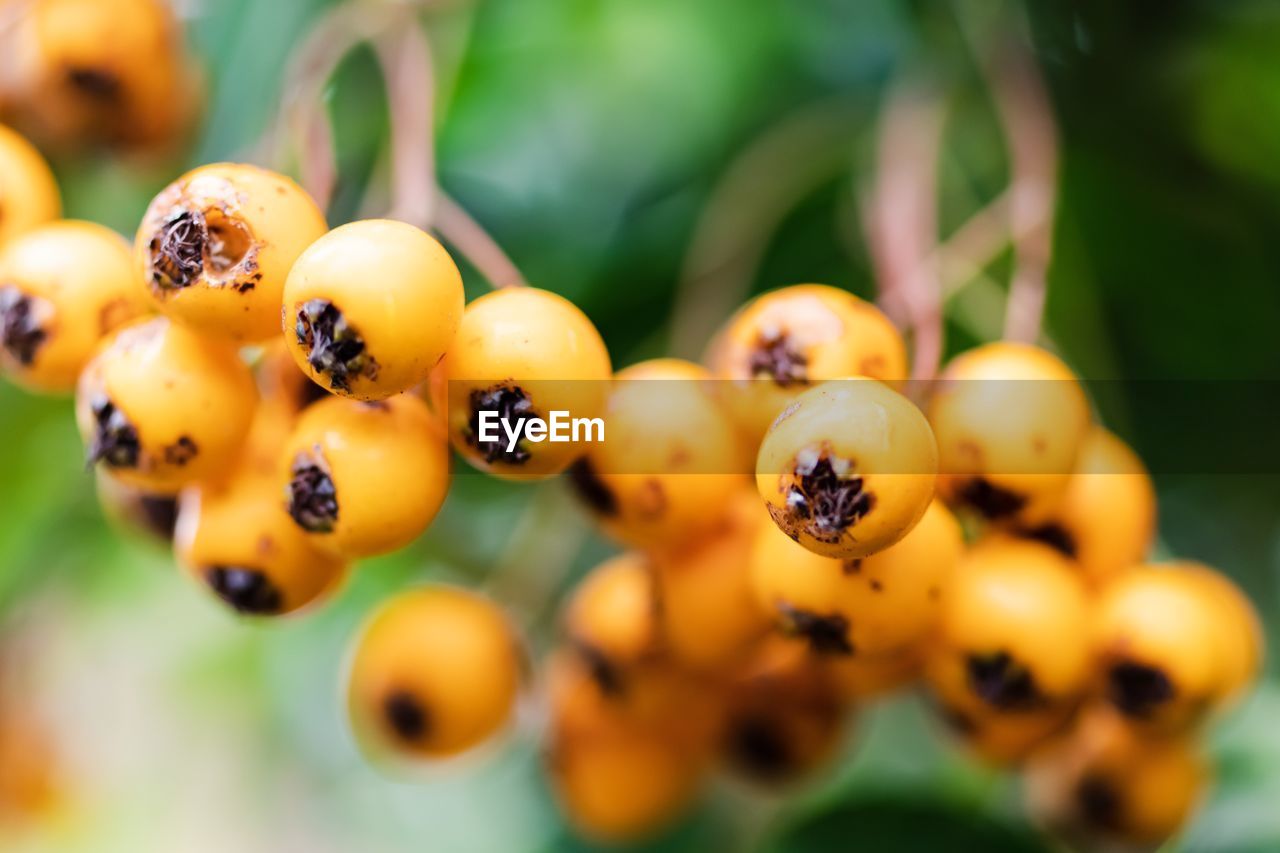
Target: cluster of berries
[282, 398]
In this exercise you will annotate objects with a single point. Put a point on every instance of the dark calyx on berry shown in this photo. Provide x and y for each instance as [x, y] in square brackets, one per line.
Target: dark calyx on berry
[992, 501]
[1001, 682]
[96, 83]
[334, 348]
[248, 591]
[115, 440]
[826, 498]
[159, 514]
[827, 634]
[589, 487]
[757, 747]
[1055, 536]
[406, 715]
[775, 357]
[177, 250]
[313, 498]
[604, 672]
[513, 408]
[1099, 802]
[1138, 689]
[20, 331]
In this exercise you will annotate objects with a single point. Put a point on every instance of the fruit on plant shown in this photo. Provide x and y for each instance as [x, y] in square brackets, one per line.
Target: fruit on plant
[884, 604]
[522, 353]
[848, 469]
[216, 246]
[784, 716]
[1174, 643]
[234, 537]
[1006, 740]
[1106, 518]
[102, 71]
[435, 671]
[1106, 782]
[1013, 637]
[365, 478]
[670, 460]
[160, 407]
[282, 383]
[63, 288]
[1009, 419]
[134, 509]
[371, 307]
[28, 192]
[706, 612]
[789, 339]
[610, 620]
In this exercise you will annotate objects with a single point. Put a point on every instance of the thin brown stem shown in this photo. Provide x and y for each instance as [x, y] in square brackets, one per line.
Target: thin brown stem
[405, 56]
[468, 237]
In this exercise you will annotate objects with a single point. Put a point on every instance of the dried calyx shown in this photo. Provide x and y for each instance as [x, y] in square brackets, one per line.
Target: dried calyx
[513, 407]
[313, 498]
[334, 348]
[405, 715]
[992, 501]
[1001, 682]
[827, 633]
[591, 489]
[776, 357]
[825, 497]
[246, 590]
[115, 439]
[1138, 689]
[21, 333]
[195, 244]
[1098, 801]
[756, 745]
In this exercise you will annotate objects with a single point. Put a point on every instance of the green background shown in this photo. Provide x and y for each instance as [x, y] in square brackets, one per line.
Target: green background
[588, 136]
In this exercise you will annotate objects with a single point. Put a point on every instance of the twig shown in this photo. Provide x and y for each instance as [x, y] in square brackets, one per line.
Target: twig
[461, 231]
[405, 56]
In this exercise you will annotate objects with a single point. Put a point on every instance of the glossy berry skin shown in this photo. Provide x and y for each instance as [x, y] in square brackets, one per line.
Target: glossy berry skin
[884, 604]
[1174, 643]
[28, 192]
[524, 352]
[234, 538]
[670, 461]
[848, 469]
[1013, 639]
[371, 307]
[365, 478]
[435, 672]
[1107, 783]
[160, 407]
[611, 617]
[790, 339]
[216, 246]
[1106, 517]
[707, 614]
[63, 288]
[1010, 419]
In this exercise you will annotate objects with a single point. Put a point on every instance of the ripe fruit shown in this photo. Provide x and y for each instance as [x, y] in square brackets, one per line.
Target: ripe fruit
[365, 478]
[884, 604]
[235, 538]
[848, 468]
[160, 407]
[522, 353]
[670, 459]
[706, 612]
[216, 246]
[63, 287]
[1174, 643]
[434, 672]
[1106, 781]
[282, 383]
[788, 339]
[1006, 740]
[28, 191]
[1013, 635]
[1010, 419]
[611, 618]
[1106, 518]
[371, 307]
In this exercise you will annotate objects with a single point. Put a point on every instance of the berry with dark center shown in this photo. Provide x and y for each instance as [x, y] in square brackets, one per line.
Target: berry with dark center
[826, 633]
[312, 496]
[115, 440]
[755, 744]
[177, 250]
[1099, 802]
[604, 672]
[20, 331]
[828, 501]
[589, 487]
[1000, 681]
[1055, 536]
[247, 590]
[992, 501]
[334, 348]
[159, 514]
[513, 407]
[405, 715]
[95, 83]
[774, 357]
[1137, 689]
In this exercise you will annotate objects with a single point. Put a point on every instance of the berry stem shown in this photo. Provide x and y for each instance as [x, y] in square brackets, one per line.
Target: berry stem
[460, 230]
[405, 56]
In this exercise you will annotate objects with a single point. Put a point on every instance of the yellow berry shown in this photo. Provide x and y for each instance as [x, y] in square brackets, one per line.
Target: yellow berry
[28, 191]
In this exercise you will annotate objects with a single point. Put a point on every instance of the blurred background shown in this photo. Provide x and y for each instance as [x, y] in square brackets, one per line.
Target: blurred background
[656, 162]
